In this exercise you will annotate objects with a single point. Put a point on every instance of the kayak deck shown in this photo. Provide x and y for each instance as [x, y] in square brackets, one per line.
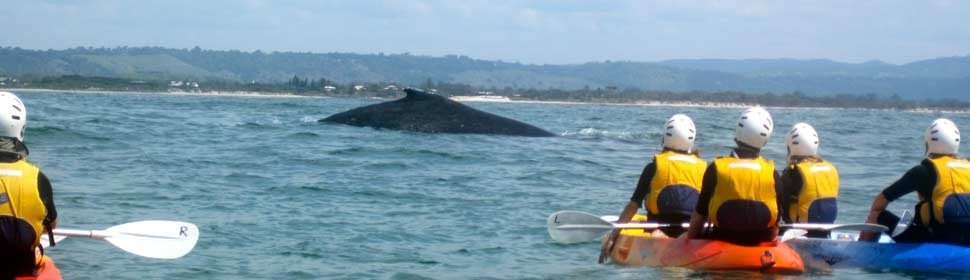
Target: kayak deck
[640, 249]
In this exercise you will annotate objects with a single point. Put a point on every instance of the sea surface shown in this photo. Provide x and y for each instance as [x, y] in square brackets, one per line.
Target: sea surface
[277, 195]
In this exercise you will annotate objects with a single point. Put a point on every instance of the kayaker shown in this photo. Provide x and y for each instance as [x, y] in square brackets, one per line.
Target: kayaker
[942, 182]
[26, 197]
[669, 185]
[810, 185]
[739, 191]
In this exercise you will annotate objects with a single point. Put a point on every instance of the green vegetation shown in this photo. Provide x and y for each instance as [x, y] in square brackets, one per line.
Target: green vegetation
[324, 87]
[928, 79]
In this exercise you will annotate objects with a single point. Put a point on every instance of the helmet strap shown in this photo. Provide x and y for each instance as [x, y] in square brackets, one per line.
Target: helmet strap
[746, 151]
[676, 150]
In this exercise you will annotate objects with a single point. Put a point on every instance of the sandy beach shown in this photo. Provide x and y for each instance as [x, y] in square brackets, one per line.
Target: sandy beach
[208, 93]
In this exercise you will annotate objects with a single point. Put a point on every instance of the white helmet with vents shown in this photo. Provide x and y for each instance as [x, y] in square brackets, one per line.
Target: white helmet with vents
[754, 127]
[13, 116]
[679, 133]
[802, 140]
[942, 137]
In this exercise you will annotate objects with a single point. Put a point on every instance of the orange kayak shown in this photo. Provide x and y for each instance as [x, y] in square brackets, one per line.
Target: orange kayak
[46, 271]
[633, 248]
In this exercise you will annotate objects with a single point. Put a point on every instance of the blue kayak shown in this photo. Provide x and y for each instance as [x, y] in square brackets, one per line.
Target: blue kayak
[819, 253]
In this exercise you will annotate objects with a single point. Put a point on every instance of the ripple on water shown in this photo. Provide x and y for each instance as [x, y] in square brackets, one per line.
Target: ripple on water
[278, 195]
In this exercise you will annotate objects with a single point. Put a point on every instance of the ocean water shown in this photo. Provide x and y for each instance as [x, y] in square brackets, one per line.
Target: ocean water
[277, 195]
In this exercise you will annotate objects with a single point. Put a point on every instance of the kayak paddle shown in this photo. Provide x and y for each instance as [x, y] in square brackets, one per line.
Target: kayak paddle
[151, 239]
[575, 227]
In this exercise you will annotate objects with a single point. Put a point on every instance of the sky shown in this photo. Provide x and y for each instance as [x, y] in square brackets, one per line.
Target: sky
[534, 32]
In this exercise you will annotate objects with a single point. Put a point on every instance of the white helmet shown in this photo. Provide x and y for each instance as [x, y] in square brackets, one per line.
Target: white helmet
[13, 116]
[754, 127]
[679, 133]
[802, 140]
[942, 137]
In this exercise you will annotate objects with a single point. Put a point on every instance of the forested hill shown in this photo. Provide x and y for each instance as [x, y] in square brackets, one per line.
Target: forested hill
[934, 79]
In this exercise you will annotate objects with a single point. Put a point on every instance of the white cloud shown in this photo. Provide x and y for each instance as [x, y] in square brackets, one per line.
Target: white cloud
[528, 31]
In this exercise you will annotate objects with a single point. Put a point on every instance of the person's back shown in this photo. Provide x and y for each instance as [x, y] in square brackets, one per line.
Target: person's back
[810, 185]
[669, 185]
[675, 183]
[739, 192]
[947, 210]
[942, 181]
[26, 202]
[742, 207]
[674, 189]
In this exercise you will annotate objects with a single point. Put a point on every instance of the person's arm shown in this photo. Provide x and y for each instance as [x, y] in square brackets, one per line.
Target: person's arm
[47, 196]
[699, 217]
[641, 192]
[878, 206]
[779, 200]
[791, 184]
[643, 188]
[696, 225]
[908, 183]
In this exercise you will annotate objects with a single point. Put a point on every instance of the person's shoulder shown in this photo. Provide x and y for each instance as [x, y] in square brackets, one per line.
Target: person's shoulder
[924, 168]
[723, 157]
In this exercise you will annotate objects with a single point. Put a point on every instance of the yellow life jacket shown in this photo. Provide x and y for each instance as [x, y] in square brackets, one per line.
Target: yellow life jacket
[820, 180]
[951, 192]
[674, 170]
[19, 196]
[744, 197]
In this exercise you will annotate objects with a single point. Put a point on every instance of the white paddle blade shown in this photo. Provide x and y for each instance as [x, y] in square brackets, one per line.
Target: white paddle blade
[839, 227]
[155, 239]
[610, 218]
[904, 221]
[574, 227]
[792, 234]
[45, 241]
[860, 227]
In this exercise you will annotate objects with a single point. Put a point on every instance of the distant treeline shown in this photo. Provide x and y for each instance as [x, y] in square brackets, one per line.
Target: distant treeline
[945, 77]
[324, 87]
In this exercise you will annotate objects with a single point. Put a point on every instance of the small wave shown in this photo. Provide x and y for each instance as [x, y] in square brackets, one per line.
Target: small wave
[386, 166]
[347, 151]
[245, 176]
[60, 133]
[297, 188]
[253, 125]
[413, 276]
[263, 123]
[102, 121]
[43, 129]
[594, 133]
[425, 152]
[304, 134]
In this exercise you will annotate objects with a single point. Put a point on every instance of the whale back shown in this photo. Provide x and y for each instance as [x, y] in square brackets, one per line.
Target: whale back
[419, 111]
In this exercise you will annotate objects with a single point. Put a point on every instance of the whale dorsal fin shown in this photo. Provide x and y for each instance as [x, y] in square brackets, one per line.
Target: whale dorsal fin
[414, 94]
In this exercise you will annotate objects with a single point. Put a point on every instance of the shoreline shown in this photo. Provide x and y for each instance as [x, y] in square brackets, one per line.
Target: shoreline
[647, 104]
[177, 93]
[717, 105]
[687, 104]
